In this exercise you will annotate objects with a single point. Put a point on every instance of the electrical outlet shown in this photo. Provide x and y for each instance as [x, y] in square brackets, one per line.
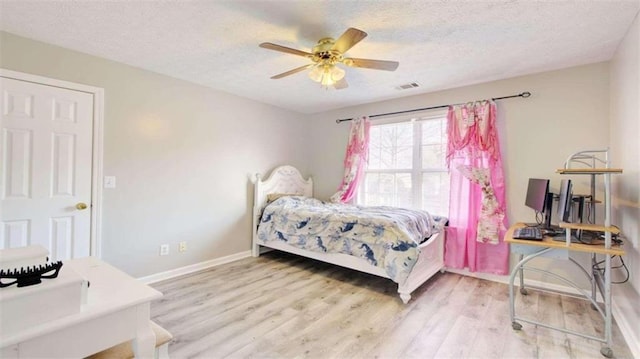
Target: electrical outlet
[182, 247]
[164, 250]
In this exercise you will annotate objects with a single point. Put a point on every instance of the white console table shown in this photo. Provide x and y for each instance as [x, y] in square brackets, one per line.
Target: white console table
[117, 310]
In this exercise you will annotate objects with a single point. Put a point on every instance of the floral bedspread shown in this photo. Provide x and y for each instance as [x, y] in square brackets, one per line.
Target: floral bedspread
[386, 237]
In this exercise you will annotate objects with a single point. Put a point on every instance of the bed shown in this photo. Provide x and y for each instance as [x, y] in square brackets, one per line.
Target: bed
[424, 258]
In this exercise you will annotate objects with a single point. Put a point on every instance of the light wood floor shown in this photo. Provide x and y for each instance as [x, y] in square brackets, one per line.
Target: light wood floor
[284, 306]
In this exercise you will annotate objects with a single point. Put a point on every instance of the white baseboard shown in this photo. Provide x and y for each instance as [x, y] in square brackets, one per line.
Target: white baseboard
[154, 278]
[625, 311]
[621, 305]
[492, 277]
[559, 288]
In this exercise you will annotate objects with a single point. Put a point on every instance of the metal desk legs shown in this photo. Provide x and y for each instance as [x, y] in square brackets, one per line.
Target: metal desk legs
[523, 290]
[605, 287]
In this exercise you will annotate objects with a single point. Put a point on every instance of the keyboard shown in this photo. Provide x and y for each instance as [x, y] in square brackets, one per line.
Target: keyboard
[531, 233]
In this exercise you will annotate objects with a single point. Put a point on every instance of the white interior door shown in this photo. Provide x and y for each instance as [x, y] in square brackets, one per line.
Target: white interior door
[46, 155]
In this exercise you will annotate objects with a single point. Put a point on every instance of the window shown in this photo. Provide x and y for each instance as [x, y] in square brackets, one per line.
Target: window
[407, 165]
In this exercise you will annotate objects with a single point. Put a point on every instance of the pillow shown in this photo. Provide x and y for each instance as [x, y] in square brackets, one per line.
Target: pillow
[274, 196]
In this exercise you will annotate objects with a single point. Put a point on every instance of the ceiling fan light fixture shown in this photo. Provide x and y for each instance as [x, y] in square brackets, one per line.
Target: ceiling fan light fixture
[337, 73]
[327, 75]
[316, 73]
[327, 81]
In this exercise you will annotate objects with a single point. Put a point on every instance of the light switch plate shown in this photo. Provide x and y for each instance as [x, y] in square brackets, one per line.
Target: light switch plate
[109, 181]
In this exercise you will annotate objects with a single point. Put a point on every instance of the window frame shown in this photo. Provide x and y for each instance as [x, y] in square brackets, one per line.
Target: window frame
[416, 171]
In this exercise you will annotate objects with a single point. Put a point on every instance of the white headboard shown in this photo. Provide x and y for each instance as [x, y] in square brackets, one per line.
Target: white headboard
[283, 179]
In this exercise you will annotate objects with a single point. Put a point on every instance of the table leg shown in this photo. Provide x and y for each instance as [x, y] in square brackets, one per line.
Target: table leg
[512, 305]
[519, 268]
[144, 344]
[523, 290]
[606, 350]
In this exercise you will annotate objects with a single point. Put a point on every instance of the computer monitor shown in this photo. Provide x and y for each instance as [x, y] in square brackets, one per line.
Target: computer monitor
[565, 215]
[564, 202]
[537, 194]
[540, 199]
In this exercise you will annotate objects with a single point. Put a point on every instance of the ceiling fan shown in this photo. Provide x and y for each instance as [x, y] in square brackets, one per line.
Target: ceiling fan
[327, 54]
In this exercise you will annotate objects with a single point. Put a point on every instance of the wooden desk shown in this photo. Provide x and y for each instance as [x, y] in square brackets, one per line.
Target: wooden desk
[530, 249]
[549, 242]
[117, 310]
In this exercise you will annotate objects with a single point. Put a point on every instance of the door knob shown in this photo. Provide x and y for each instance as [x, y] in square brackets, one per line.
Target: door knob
[80, 206]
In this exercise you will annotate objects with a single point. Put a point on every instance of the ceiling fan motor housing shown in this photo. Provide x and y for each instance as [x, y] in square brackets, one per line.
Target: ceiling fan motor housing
[324, 54]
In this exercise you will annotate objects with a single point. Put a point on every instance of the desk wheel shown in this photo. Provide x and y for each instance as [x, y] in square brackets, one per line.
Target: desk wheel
[606, 351]
[524, 291]
[518, 326]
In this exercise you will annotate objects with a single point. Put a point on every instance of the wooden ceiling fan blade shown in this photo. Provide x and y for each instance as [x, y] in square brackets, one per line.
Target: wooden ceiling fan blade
[288, 50]
[347, 40]
[341, 84]
[291, 72]
[372, 64]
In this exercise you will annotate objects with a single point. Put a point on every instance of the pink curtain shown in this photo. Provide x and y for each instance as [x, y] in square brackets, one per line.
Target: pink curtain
[355, 160]
[477, 216]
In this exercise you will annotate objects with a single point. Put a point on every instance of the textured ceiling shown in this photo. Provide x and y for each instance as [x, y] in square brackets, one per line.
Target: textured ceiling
[439, 44]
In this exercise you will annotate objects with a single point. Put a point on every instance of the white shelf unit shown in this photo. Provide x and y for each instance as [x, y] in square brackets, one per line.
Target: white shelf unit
[596, 163]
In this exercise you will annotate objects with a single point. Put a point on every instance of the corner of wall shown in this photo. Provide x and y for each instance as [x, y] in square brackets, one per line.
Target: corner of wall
[624, 91]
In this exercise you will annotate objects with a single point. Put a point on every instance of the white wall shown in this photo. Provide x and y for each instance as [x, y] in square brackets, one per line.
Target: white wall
[625, 135]
[182, 155]
[567, 112]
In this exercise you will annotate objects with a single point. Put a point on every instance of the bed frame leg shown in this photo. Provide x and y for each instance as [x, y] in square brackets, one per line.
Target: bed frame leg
[255, 250]
[406, 297]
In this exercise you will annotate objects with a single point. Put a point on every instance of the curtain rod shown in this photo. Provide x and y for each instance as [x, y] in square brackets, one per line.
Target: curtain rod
[523, 94]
